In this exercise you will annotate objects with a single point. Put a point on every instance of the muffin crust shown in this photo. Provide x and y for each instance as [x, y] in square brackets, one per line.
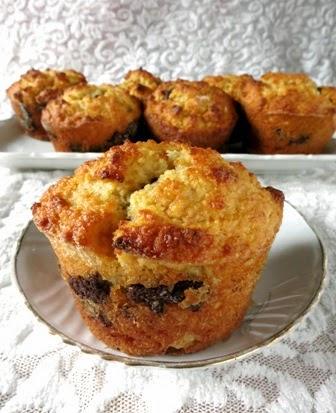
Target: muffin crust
[91, 118]
[288, 114]
[34, 90]
[191, 112]
[140, 83]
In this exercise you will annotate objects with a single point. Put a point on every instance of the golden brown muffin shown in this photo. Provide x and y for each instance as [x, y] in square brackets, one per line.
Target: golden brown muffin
[34, 90]
[140, 84]
[161, 244]
[91, 118]
[191, 112]
[329, 92]
[233, 85]
[287, 114]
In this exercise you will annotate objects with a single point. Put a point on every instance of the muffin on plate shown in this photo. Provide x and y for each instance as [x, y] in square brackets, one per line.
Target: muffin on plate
[34, 90]
[160, 244]
[288, 114]
[140, 83]
[91, 118]
[191, 112]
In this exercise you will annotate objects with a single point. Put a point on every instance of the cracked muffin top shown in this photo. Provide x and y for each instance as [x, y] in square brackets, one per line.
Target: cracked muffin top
[140, 83]
[191, 112]
[286, 93]
[106, 102]
[167, 201]
[38, 87]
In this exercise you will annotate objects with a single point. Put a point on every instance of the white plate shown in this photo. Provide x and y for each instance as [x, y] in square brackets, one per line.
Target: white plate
[18, 150]
[291, 281]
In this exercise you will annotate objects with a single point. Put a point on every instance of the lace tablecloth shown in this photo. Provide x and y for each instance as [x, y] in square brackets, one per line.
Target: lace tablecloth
[38, 372]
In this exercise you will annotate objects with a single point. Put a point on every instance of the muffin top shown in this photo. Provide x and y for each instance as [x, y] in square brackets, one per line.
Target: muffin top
[38, 86]
[229, 83]
[166, 201]
[140, 83]
[290, 93]
[190, 111]
[93, 102]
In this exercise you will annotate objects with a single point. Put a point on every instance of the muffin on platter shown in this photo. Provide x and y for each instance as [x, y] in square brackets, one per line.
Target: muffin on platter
[140, 83]
[34, 90]
[233, 85]
[288, 114]
[91, 118]
[161, 244]
[191, 112]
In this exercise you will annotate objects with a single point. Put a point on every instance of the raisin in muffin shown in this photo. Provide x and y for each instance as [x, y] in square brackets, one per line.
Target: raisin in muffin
[91, 118]
[191, 112]
[140, 83]
[34, 90]
[161, 244]
[287, 113]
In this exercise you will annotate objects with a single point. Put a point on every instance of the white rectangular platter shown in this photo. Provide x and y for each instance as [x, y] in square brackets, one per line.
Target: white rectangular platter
[18, 150]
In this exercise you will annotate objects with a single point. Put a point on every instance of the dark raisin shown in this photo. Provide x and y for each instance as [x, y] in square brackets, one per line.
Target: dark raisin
[156, 297]
[92, 288]
[179, 288]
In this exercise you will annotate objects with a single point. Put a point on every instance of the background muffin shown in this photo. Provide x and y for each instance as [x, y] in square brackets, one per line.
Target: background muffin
[287, 114]
[161, 244]
[140, 83]
[233, 85]
[229, 83]
[91, 118]
[34, 90]
[191, 112]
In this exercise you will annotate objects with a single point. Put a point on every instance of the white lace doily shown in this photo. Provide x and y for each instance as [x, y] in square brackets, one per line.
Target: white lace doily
[104, 39]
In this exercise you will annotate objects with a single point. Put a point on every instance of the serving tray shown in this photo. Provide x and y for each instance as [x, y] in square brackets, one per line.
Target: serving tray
[17, 150]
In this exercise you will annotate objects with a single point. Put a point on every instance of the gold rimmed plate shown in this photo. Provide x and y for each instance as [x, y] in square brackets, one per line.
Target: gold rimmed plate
[291, 282]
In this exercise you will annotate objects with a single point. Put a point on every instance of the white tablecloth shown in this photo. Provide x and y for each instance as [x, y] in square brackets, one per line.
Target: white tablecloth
[38, 372]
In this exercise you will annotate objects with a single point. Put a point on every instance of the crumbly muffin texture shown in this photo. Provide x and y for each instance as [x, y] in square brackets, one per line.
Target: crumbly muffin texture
[91, 118]
[140, 83]
[161, 244]
[191, 112]
[34, 90]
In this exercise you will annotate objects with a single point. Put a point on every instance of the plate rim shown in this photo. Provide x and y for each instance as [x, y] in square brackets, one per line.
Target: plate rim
[141, 361]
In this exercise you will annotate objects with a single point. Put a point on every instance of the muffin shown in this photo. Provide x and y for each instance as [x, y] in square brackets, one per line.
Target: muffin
[160, 244]
[91, 118]
[140, 84]
[229, 83]
[34, 90]
[233, 85]
[287, 114]
[191, 112]
[329, 92]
